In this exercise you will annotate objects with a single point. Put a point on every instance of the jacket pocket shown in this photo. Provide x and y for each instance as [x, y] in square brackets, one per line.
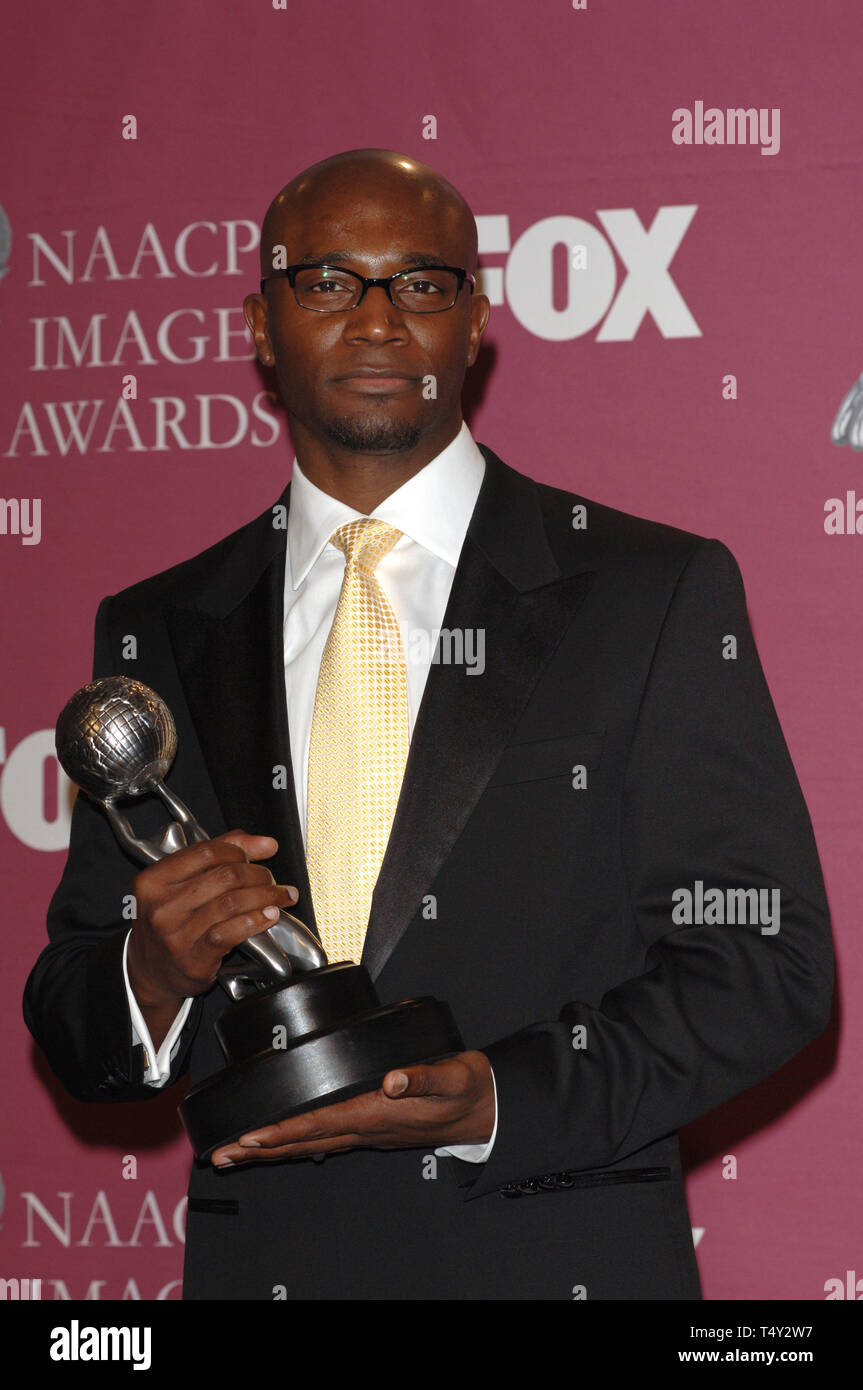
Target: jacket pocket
[546, 758]
[596, 1177]
[215, 1206]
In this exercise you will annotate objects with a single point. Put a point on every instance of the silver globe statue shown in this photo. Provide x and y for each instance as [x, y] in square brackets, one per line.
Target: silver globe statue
[298, 1031]
[116, 738]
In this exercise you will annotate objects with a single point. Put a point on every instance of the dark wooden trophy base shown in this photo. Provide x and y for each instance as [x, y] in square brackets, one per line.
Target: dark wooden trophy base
[322, 1038]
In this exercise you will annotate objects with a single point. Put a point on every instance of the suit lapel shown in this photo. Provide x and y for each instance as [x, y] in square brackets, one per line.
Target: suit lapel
[507, 583]
[230, 656]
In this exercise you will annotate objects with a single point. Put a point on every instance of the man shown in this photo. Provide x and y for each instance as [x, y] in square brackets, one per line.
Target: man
[591, 842]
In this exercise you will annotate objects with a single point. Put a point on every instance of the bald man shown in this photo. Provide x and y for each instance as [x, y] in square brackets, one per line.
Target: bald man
[545, 794]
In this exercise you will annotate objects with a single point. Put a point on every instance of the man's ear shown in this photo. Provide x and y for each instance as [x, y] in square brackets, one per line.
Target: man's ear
[480, 308]
[255, 314]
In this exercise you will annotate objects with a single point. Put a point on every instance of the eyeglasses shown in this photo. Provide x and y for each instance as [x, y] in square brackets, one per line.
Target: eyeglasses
[328, 289]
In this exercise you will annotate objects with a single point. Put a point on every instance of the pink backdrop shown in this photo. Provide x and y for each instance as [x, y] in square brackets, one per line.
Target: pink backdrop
[540, 112]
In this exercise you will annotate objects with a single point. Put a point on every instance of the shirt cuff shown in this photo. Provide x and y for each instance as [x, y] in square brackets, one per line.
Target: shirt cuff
[474, 1153]
[158, 1064]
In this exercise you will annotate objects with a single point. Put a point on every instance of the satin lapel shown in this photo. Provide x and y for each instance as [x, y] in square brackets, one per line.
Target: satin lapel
[231, 665]
[508, 583]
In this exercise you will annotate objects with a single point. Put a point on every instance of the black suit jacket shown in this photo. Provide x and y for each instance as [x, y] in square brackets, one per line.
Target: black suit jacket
[553, 904]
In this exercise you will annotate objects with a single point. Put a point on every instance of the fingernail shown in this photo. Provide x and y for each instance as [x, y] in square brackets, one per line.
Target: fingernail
[250, 1143]
[272, 914]
[399, 1082]
[292, 892]
[224, 1163]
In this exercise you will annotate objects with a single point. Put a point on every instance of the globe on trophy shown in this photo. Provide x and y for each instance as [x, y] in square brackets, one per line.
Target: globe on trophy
[297, 1032]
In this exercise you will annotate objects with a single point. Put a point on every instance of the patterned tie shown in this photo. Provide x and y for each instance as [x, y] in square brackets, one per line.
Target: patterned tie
[359, 744]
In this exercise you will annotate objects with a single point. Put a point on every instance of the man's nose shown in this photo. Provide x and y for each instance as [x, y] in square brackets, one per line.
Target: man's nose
[375, 314]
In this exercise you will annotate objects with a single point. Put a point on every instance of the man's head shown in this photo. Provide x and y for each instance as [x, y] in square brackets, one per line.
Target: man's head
[373, 212]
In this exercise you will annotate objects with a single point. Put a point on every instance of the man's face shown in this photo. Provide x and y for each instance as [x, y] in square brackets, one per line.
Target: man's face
[375, 231]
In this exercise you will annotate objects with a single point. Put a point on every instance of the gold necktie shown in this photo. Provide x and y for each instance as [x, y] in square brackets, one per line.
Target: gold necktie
[359, 744]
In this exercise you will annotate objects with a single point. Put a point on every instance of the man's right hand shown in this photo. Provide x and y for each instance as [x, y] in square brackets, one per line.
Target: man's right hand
[193, 908]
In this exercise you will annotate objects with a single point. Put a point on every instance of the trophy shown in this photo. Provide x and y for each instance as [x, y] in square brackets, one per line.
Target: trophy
[298, 1033]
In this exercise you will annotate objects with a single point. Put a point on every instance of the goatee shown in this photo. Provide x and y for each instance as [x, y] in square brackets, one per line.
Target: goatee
[373, 434]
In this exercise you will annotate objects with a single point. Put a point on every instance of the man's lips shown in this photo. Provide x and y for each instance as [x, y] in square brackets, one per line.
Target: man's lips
[377, 380]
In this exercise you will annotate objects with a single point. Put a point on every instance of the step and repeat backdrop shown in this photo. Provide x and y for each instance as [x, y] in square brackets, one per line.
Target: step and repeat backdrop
[669, 206]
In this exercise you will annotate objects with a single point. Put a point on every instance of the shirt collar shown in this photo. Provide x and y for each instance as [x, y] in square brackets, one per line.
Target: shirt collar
[433, 507]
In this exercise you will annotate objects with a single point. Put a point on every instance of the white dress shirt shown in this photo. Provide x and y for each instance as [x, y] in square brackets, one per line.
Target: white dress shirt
[432, 510]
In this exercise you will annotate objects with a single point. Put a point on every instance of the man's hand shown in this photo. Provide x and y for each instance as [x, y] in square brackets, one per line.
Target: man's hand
[193, 908]
[440, 1104]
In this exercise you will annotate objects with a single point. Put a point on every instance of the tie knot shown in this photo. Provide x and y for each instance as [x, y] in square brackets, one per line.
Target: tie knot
[365, 542]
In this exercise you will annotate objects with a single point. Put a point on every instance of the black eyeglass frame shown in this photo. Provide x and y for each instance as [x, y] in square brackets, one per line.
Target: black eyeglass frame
[290, 274]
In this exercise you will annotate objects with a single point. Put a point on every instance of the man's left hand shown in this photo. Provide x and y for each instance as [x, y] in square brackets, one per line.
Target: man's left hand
[441, 1104]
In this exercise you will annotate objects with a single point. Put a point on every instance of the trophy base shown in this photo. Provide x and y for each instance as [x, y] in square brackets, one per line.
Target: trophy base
[344, 1057]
